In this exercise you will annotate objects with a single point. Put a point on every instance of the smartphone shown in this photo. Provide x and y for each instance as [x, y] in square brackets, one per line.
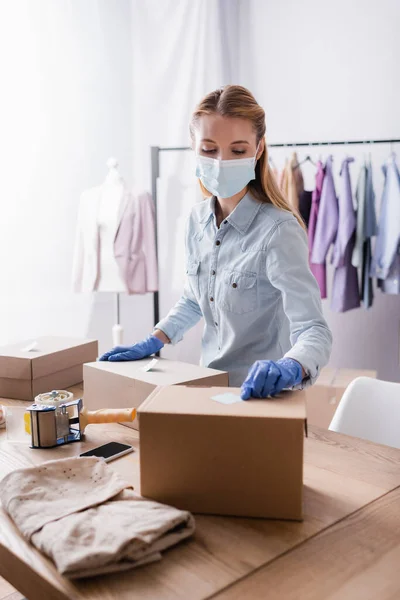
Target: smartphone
[109, 451]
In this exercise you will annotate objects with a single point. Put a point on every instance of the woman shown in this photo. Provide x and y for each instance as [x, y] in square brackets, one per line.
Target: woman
[247, 262]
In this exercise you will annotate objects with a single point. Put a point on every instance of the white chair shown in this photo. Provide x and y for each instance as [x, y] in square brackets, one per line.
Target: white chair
[370, 409]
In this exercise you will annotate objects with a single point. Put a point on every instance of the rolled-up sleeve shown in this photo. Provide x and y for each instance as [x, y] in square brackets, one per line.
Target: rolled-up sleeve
[288, 271]
[182, 317]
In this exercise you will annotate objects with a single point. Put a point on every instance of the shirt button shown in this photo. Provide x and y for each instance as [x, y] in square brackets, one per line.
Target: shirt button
[234, 285]
[225, 222]
[216, 324]
[211, 299]
[212, 272]
[217, 243]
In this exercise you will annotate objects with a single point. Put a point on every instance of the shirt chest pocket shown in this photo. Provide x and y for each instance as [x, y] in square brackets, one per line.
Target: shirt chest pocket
[239, 291]
[192, 274]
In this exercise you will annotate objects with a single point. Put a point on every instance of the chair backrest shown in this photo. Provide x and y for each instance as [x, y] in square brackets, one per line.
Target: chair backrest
[370, 409]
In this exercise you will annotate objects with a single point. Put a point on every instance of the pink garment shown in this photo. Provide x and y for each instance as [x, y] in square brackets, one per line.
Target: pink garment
[318, 270]
[135, 248]
[134, 245]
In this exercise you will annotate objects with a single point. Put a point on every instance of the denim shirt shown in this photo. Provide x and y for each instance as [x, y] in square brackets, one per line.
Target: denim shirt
[250, 280]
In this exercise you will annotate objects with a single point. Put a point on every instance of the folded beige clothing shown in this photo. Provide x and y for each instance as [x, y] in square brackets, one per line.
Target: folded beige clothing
[82, 514]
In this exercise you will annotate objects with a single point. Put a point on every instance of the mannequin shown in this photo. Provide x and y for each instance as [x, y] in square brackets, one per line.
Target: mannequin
[115, 248]
[108, 217]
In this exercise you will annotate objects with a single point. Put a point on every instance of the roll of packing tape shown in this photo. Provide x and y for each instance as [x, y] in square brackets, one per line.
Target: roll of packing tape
[54, 398]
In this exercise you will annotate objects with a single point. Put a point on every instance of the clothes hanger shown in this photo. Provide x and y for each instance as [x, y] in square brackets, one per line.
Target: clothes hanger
[370, 153]
[320, 153]
[306, 159]
[286, 146]
[365, 153]
[392, 151]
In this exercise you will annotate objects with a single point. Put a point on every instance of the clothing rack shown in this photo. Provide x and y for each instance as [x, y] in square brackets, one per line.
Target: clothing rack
[155, 173]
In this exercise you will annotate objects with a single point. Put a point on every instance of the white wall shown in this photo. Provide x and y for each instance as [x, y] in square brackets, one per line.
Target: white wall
[65, 108]
[329, 71]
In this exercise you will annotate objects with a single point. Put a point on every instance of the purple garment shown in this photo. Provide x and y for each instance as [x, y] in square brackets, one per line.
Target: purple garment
[328, 219]
[345, 294]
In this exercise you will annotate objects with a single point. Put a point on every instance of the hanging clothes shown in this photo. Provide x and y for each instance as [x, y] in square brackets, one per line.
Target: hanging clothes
[386, 260]
[328, 218]
[365, 230]
[345, 293]
[292, 184]
[305, 201]
[318, 270]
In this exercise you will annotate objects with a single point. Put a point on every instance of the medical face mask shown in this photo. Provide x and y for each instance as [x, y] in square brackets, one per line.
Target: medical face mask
[225, 178]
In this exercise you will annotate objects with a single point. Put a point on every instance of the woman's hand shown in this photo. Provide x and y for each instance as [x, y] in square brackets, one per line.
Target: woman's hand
[268, 378]
[140, 350]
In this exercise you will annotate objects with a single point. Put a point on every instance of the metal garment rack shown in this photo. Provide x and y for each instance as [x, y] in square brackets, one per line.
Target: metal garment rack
[155, 173]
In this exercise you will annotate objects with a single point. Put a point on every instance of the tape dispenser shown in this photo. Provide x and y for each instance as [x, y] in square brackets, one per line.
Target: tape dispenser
[58, 422]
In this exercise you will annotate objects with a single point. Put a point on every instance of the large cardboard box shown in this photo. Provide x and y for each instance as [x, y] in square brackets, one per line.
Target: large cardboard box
[32, 367]
[324, 396]
[128, 384]
[242, 459]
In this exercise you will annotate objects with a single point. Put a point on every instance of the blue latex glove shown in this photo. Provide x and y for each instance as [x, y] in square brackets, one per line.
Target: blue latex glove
[268, 378]
[140, 350]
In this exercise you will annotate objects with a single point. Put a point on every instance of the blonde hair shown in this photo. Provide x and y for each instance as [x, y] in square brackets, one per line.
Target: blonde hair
[237, 102]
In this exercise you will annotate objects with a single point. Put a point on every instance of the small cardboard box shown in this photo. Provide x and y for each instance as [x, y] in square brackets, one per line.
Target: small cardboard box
[128, 384]
[32, 367]
[324, 396]
[241, 459]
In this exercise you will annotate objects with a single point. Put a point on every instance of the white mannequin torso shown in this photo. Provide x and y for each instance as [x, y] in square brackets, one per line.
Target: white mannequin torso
[108, 215]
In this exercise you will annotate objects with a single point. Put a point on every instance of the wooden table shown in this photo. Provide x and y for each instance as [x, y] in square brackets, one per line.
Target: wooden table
[347, 547]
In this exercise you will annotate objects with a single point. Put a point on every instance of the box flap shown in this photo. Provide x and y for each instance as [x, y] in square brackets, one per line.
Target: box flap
[185, 400]
[49, 355]
[327, 376]
[166, 372]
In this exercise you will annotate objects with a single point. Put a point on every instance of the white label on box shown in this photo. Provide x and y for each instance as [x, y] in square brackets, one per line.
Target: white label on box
[30, 347]
[227, 398]
[150, 365]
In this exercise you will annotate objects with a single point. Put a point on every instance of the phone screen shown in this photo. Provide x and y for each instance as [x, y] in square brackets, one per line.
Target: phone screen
[109, 451]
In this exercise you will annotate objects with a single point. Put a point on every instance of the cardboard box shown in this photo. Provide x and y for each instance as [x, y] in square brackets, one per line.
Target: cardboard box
[51, 363]
[242, 459]
[127, 384]
[324, 396]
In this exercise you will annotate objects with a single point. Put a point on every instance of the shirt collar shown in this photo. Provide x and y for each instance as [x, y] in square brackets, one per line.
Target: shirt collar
[240, 218]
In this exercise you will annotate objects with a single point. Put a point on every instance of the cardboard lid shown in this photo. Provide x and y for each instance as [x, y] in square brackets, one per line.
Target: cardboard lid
[185, 400]
[327, 376]
[341, 378]
[344, 377]
[47, 355]
[166, 372]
